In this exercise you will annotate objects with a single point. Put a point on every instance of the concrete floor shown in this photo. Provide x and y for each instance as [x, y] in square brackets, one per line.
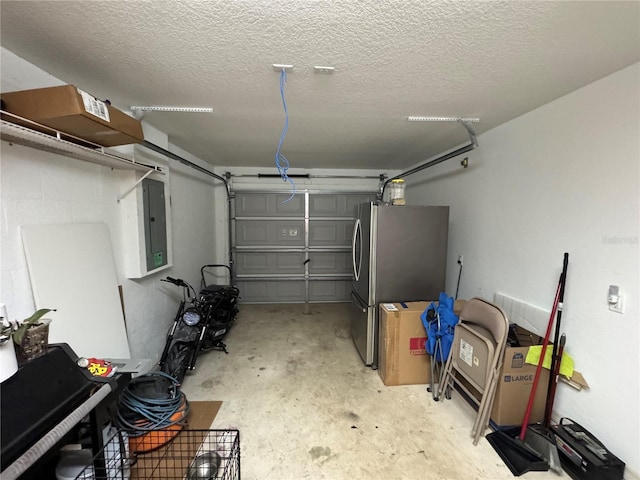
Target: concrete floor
[307, 407]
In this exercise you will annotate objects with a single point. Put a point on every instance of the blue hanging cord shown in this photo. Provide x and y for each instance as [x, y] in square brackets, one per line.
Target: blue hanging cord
[282, 164]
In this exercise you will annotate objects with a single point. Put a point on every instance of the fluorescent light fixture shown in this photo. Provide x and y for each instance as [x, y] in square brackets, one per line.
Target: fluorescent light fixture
[278, 67]
[443, 119]
[159, 108]
[320, 69]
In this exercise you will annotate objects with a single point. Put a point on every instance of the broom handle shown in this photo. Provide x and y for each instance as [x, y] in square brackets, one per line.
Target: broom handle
[534, 387]
[558, 298]
[555, 358]
[555, 376]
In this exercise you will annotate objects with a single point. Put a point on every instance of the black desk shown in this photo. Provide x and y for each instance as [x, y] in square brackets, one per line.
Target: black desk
[42, 393]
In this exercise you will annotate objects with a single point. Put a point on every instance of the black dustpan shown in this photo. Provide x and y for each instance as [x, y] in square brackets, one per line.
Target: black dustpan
[542, 441]
[518, 456]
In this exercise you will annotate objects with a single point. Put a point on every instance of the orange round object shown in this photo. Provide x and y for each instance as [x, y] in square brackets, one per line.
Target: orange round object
[157, 438]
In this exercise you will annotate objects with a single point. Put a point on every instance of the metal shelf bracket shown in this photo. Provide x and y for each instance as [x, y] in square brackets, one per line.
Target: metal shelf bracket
[470, 131]
[134, 185]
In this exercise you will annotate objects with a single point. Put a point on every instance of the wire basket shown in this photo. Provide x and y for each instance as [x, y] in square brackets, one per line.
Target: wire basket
[190, 455]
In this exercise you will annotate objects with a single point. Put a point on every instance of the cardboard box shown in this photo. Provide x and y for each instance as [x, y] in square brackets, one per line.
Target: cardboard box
[402, 358]
[73, 111]
[515, 382]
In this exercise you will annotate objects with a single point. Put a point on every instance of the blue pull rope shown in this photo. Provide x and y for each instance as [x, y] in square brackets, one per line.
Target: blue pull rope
[282, 164]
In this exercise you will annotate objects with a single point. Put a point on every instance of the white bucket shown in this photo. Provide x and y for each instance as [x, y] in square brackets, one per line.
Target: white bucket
[8, 360]
[74, 462]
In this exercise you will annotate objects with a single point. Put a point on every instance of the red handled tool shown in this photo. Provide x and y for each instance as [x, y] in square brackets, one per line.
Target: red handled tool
[557, 307]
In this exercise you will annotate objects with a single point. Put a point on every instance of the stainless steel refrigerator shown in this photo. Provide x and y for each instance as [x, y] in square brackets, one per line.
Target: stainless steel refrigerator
[399, 255]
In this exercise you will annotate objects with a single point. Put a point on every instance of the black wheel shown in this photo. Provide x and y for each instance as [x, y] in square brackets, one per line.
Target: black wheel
[177, 360]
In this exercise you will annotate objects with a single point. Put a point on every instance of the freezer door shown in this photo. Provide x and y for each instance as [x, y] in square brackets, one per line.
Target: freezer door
[410, 254]
[361, 250]
[362, 327]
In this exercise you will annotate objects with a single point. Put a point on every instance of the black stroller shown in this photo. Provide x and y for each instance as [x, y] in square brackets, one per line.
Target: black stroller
[224, 294]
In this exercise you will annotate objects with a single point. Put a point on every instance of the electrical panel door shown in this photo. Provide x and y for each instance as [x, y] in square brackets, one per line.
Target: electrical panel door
[155, 223]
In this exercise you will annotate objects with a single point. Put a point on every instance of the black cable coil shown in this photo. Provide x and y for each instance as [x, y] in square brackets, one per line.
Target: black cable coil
[151, 402]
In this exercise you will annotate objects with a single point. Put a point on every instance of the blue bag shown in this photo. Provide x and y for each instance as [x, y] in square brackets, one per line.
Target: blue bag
[439, 334]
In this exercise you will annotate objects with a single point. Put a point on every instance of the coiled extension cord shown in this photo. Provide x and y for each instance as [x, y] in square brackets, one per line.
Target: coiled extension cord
[152, 402]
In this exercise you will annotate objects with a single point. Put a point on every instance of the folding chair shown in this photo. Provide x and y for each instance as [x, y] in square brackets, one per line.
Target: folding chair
[439, 321]
[437, 355]
[475, 360]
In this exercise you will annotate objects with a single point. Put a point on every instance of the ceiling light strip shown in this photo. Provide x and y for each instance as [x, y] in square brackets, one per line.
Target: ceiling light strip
[321, 69]
[162, 108]
[442, 119]
[278, 67]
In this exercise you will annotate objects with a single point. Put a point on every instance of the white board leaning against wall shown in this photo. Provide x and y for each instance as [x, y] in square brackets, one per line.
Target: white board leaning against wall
[72, 270]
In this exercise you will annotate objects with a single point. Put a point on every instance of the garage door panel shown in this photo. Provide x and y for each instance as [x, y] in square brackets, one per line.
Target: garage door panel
[270, 233]
[250, 262]
[336, 205]
[262, 263]
[290, 233]
[330, 233]
[251, 205]
[271, 291]
[324, 205]
[330, 263]
[329, 291]
[289, 262]
[268, 205]
[252, 292]
[251, 233]
[284, 205]
[293, 291]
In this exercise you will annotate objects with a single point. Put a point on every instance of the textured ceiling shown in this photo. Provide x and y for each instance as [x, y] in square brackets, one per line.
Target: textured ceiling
[392, 59]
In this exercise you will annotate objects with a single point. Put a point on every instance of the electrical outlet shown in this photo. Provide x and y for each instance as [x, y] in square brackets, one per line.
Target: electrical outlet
[617, 307]
[460, 259]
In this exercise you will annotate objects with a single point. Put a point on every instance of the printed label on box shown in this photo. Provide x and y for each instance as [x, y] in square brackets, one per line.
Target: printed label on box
[390, 307]
[94, 106]
[518, 378]
[416, 346]
[466, 352]
[517, 361]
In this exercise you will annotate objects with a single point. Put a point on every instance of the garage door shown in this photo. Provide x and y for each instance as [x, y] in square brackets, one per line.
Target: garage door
[294, 251]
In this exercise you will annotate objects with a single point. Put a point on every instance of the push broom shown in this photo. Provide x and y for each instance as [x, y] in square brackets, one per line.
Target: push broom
[557, 302]
[538, 436]
[517, 454]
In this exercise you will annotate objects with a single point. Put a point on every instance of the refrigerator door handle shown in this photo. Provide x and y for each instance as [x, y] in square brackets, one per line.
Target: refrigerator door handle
[356, 267]
[356, 301]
